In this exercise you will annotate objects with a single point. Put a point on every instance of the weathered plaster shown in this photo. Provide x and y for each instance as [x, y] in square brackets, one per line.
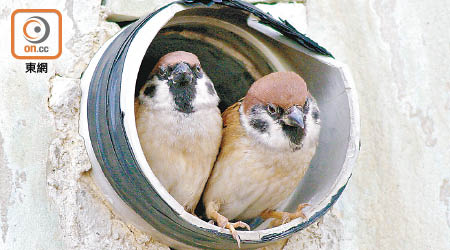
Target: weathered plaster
[5, 194]
[444, 196]
[133, 9]
[28, 222]
[86, 221]
[398, 55]
[325, 234]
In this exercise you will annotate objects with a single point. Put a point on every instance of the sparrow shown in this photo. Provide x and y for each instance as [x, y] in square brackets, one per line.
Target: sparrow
[269, 138]
[179, 125]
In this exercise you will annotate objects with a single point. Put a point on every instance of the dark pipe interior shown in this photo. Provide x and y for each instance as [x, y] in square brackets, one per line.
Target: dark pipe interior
[229, 75]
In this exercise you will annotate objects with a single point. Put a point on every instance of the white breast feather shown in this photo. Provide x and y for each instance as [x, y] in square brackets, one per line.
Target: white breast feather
[180, 148]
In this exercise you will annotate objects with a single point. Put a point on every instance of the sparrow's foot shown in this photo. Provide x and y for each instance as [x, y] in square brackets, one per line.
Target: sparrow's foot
[284, 217]
[212, 209]
[223, 222]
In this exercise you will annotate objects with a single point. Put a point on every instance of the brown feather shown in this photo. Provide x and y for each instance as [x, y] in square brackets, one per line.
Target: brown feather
[175, 57]
[290, 89]
[232, 126]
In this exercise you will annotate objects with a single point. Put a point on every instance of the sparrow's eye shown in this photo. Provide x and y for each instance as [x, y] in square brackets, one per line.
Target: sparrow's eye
[306, 105]
[197, 71]
[302, 109]
[272, 109]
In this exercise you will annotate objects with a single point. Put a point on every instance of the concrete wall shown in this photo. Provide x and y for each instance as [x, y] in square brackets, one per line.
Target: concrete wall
[398, 197]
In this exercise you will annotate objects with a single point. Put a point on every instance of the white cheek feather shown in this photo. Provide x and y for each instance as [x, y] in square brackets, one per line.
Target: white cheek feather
[203, 99]
[162, 98]
[274, 138]
[313, 128]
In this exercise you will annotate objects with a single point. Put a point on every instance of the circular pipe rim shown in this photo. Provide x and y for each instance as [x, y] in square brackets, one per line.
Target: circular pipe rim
[105, 125]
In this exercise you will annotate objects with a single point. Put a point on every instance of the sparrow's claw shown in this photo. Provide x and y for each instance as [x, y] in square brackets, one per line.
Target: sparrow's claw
[223, 222]
[241, 224]
[284, 217]
[232, 227]
[299, 210]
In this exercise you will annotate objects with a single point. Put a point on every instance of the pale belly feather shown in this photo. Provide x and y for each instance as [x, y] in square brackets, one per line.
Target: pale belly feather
[258, 180]
[181, 149]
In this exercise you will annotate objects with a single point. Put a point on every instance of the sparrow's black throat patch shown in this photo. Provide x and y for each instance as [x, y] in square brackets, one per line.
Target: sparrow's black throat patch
[295, 134]
[183, 95]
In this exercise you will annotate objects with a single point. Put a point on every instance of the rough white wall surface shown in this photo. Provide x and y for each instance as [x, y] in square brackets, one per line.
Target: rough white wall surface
[325, 234]
[398, 52]
[398, 197]
[133, 9]
[27, 220]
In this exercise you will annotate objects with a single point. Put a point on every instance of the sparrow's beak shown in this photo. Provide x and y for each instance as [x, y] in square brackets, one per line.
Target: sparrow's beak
[182, 74]
[294, 117]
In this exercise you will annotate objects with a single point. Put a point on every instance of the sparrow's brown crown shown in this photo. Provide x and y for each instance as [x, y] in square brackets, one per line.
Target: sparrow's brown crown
[283, 89]
[175, 57]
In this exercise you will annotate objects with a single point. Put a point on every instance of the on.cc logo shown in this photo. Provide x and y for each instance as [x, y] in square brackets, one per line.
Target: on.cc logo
[36, 34]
